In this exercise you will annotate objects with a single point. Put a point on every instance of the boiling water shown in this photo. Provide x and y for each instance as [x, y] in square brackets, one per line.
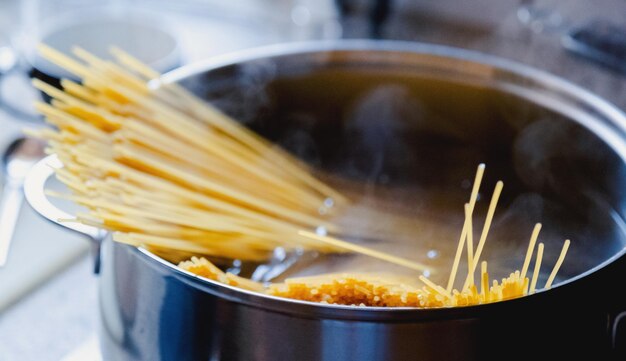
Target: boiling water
[404, 148]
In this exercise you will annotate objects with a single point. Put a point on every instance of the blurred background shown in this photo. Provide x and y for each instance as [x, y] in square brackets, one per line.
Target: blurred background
[47, 290]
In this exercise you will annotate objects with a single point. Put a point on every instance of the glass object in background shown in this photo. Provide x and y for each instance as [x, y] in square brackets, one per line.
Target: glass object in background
[212, 27]
[8, 58]
[600, 41]
[311, 19]
[596, 33]
[92, 25]
[8, 63]
[377, 13]
[540, 15]
[162, 33]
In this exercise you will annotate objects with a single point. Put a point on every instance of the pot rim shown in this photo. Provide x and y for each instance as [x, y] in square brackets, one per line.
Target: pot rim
[614, 135]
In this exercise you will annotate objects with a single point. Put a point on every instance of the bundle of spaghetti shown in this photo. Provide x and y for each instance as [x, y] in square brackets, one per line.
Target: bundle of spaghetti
[167, 170]
[390, 291]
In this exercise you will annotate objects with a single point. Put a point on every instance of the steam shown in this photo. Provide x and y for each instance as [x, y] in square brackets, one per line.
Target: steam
[299, 140]
[581, 180]
[376, 129]
[554, 155]
[240, 91]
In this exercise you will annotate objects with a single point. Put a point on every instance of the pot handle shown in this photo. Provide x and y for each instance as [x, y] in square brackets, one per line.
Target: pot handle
[34, 191]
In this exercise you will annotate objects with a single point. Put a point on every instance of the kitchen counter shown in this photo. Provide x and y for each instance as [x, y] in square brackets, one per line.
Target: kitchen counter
[54, 320]
[62, 315]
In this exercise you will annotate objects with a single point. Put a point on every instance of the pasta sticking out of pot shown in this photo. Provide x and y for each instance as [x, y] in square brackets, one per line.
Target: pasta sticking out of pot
[393, 291]
[167, 171]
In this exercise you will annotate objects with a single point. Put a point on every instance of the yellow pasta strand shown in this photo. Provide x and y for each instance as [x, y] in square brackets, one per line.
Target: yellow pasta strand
[558, 264]
[473, 197]
[533, 282]
[529, 251]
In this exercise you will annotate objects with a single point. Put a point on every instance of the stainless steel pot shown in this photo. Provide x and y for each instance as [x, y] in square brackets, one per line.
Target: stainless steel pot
[561, 150]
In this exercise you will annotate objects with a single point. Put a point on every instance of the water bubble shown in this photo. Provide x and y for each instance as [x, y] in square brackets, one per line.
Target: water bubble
[329, 202]
[426, 273]
[432, 254]
[280, 253]
[236, 268]
[321, 231]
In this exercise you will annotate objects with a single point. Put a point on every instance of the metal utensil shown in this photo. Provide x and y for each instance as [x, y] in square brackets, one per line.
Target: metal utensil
[17, 160]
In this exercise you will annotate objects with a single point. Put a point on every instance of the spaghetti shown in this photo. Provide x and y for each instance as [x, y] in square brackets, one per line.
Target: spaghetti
[391, 291]
[167, 171]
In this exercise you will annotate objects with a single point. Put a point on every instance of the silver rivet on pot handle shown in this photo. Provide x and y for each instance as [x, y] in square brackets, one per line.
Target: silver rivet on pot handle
[34, 191]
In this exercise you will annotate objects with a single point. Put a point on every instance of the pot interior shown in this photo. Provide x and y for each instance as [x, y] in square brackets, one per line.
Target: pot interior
[401, 133]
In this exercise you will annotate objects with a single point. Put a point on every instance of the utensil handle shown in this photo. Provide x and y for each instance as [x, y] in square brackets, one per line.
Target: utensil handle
[34, 190]
[10, 205]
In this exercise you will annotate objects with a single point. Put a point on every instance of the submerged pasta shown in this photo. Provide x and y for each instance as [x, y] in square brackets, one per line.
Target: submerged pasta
[390, 291]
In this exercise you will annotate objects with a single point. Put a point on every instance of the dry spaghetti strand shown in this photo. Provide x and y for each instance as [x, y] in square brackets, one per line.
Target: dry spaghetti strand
[166, 170]
[136, 157]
